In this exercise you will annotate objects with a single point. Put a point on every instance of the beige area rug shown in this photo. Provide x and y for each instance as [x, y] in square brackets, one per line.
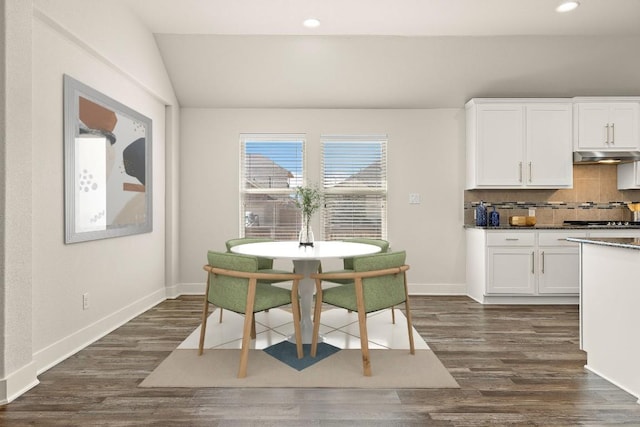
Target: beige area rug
[391, 369]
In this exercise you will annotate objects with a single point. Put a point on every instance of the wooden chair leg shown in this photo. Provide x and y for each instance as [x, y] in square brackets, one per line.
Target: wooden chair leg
[205, 314]
[253, 327]
[246, 339]
[393, 315]
[364, 343]
[295, 309]
[246, 331]
[316, 318]
[204, 326]
[412, 349]
[220, 320]
[362, 321]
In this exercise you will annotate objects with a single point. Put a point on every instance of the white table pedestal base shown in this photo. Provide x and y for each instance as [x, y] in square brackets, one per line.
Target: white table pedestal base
[306, 289]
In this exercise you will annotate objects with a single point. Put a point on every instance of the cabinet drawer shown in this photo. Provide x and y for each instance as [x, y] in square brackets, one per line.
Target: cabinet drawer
[615, 233]
[558, 238]
[511, 238]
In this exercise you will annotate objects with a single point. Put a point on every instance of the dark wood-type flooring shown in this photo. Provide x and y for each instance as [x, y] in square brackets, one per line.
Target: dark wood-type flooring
[516, 365]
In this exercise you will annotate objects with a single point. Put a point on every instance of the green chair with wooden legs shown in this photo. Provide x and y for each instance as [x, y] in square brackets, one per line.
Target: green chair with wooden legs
[235, 283]
[348, 263]
[378, 282]
[265, 265]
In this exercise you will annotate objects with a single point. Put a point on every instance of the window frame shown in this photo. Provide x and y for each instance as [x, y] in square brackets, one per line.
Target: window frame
[378, 190]
[272, 138]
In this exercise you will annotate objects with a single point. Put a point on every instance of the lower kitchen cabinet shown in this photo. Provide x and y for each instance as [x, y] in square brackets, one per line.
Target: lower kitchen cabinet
[558, 262]
[510, 270]
[526, 263]
[559, 270]
[527, 266]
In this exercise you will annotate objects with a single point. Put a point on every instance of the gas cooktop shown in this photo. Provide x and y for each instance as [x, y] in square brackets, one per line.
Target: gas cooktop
[603, 223]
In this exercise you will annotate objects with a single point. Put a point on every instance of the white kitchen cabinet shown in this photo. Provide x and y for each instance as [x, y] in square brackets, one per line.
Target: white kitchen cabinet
[512, 265]
[558, 262]
[615, 233]
[559, 270]
[548, 265]
[510, 270]
[522, 263]
[518, 144]
[606, 126]
[628, 176]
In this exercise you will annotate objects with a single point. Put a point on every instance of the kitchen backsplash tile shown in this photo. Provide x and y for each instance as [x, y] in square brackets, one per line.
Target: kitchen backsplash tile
[594, 196]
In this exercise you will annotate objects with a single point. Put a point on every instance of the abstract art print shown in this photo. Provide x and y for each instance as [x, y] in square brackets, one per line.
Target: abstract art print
[107, 166]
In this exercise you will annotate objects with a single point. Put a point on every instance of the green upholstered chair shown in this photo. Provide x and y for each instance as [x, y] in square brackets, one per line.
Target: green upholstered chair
[235, 283]
[348, 262]
[378, 282]
[265, 265]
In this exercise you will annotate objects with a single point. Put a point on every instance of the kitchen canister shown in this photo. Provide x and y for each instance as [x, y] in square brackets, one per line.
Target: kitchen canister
[481, 214]
[494, 218]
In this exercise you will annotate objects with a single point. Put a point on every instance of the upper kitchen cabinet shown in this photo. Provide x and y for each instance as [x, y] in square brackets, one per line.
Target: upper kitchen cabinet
[629, 176]
[517, 143]
[606, 125]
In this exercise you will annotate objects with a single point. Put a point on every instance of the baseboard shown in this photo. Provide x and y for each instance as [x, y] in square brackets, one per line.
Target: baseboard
[69, 345]
[190, 288]
[437, 289]
[414, 289]
[17, 383]
[530, 300]
[604, 377]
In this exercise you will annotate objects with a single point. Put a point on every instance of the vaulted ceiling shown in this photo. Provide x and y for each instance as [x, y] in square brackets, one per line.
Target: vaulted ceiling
[392, 53]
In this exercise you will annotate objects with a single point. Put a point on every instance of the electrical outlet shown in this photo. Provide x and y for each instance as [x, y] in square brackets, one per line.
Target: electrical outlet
[414, 198]
[85, 301]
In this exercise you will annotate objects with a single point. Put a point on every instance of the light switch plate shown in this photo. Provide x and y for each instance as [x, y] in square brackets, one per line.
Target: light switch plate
[414, 198]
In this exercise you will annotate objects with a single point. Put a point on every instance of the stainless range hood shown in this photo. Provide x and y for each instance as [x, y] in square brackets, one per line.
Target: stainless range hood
[605, 157]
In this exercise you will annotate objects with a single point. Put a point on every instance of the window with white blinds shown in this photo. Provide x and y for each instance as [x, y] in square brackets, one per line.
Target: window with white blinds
[354, 180]
[271, 168]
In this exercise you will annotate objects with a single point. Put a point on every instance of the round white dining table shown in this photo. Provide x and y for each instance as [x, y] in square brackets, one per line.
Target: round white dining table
[306, 260]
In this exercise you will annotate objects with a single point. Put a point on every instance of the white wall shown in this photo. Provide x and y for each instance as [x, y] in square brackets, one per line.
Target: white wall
[17, 371]
[426, 156]
[105, 48]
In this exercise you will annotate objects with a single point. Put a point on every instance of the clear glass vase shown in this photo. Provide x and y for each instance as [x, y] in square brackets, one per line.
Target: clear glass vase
[306, 233]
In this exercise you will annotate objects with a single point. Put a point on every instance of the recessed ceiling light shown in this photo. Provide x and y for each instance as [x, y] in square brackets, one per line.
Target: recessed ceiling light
[311, 23]
[567, 6]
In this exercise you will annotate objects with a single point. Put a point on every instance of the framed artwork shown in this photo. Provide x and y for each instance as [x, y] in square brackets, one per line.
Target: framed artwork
[107, 166]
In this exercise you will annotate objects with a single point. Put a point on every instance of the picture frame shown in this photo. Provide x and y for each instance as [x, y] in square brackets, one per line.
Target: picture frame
[107, 166]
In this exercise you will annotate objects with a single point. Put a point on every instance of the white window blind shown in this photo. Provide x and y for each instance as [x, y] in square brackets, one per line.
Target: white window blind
[271, 168]
[354, 180]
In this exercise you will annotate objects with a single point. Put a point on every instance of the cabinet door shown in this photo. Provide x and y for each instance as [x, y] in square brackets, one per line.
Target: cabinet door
[510, 270]
[628, 176]
[559, 270]
[549, 146]
[593, 121]
[608, 126]
[500, 142]
[623, 126]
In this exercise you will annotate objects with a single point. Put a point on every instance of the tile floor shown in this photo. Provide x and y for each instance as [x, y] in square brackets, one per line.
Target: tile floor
[337, 326]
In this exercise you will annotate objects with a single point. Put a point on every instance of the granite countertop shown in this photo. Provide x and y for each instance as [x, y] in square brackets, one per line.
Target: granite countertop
[554, 227]
[618, 242]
